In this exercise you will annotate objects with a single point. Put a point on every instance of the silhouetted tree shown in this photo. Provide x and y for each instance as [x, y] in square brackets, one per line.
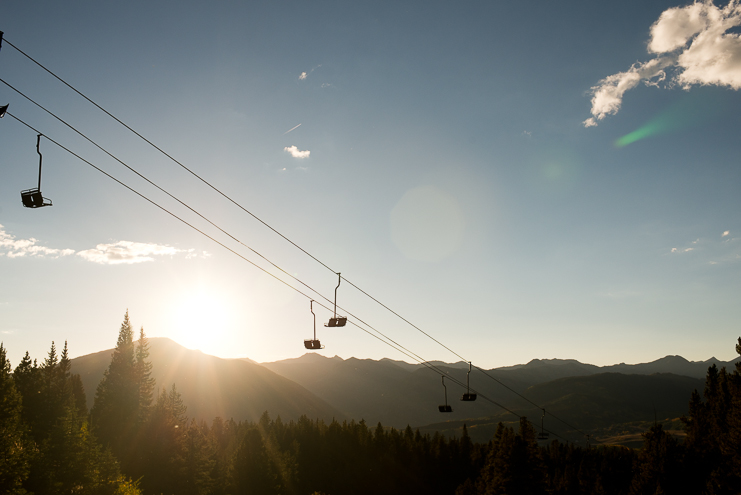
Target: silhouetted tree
[658, 466]
[713, 426]
[16, 449]
[162, 448]
[115, 412]
[143, 371]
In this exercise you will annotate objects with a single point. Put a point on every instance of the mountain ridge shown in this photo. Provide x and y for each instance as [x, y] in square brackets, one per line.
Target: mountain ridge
[211, 386]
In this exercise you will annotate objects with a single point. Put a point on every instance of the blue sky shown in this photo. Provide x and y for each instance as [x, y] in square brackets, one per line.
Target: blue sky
[439, 155]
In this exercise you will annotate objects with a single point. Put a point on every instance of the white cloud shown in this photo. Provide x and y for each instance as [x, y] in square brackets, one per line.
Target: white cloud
[304, 75]
[608, 94]
[122, 252]
[19, 248]
[694, 44]
[296, 153]
[126, 252]
[712, 251]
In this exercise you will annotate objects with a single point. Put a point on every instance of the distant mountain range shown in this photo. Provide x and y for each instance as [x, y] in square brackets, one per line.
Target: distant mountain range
[211, 386]
[398, 394]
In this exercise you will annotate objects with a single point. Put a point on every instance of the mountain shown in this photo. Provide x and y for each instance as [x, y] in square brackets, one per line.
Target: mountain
[211, 386]
[671, 364]
[399, 394]
[605, 400]
[604, 405]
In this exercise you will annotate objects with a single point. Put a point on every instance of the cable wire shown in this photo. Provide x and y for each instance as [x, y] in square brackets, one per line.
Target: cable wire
[226, 196]
[235, 203]
[390, 342]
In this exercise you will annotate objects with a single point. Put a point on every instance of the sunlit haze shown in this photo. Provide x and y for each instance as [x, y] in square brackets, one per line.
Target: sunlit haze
[518, 180]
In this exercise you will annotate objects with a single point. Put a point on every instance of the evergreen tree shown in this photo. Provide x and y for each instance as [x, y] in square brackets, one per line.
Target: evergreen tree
[15, 447]
[514, 464]
[115, 412]
[144, 380]
[27, 378]
[162, 446]
[714, 434]
[658, 466]
[253, 471]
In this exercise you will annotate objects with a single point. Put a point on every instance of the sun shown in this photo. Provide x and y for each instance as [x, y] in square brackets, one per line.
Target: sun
[201, 318]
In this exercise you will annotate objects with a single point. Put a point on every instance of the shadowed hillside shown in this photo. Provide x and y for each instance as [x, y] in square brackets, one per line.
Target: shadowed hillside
[211, 386]
[606, 404]
[399, 394]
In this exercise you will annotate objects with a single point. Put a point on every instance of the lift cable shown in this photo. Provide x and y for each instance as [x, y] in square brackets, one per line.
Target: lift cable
[391, 343]
[158, 187]
[169, 156]
[189, 207]
[225, 195]
[231, 200]
[394, 345]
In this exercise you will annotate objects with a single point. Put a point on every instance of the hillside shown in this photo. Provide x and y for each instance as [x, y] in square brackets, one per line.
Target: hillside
[400, 394]
[211, 386]
[604, 405]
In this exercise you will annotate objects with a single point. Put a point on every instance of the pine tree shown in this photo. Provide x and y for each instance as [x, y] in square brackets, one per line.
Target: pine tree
[162, 447]
[15, 447]
[143, 369]
[27, 378]
[658, 466]
[115, 412]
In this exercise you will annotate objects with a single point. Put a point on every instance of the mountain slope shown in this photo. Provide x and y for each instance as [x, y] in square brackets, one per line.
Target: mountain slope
[398, 394]
[211, 386]
[604, 404]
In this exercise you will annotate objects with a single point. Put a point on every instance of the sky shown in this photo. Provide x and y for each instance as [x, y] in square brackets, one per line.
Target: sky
[518, 180]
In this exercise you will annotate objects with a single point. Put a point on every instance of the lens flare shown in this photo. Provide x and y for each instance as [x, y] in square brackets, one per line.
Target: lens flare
[689, 112]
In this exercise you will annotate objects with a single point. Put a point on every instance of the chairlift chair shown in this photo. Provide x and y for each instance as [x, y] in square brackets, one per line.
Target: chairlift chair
[468, 396]
[309, 343]
[336, 321]
[445, 408]
[32, 198]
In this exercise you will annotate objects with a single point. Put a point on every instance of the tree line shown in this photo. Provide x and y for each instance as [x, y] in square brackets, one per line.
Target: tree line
[138, 439]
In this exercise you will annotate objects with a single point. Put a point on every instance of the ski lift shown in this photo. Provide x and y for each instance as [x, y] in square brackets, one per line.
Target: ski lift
[445, 408]
[32, 198]
[468, 396]
[313, 344]
[336, 321]
[543, 435]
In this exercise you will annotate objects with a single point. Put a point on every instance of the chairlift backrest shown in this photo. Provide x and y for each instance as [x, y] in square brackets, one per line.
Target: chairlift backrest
[340, 321]
[32, 198]
[446, 408]
[468, 397]
[313, 344]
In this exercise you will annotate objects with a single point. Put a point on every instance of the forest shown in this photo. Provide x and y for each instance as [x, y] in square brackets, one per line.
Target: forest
[138, 439]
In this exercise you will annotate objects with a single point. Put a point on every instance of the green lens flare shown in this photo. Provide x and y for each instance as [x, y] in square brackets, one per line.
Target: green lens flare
[691, 111]
[649, 129]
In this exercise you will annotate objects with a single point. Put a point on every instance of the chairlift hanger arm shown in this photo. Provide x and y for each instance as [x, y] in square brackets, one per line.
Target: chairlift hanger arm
[38, 141]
